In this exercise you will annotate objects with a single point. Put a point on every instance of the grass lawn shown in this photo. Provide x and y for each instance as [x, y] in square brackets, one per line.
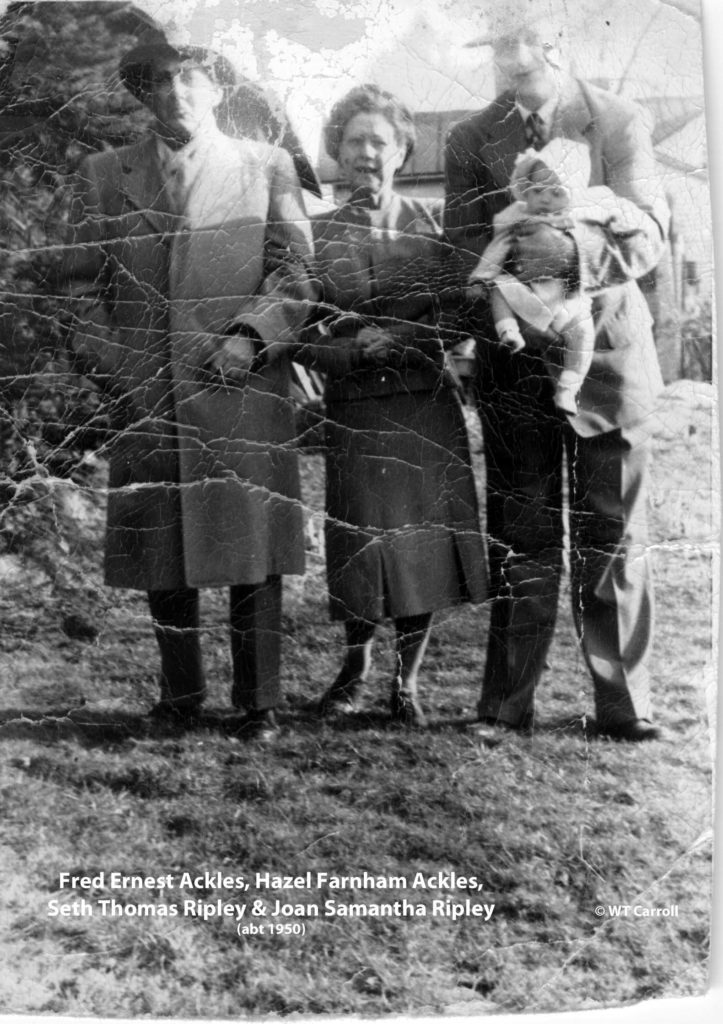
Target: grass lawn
[551, 826]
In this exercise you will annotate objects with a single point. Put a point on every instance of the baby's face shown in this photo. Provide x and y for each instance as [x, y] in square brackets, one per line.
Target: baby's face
[544, 193]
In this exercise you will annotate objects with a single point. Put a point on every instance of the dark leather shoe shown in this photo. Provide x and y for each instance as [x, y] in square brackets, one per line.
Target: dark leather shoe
[491, 731]
[259, 726]
[181, 716]
[634, 730]
[406, 710]
[339, 699]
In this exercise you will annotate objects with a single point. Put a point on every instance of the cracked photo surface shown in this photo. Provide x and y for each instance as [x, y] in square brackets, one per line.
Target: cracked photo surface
[359, 512]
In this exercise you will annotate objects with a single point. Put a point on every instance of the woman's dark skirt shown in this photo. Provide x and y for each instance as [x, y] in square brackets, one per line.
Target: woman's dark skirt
[402, 529]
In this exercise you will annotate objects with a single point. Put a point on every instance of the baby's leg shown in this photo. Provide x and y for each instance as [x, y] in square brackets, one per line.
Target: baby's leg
[578, 337]
[506, 325]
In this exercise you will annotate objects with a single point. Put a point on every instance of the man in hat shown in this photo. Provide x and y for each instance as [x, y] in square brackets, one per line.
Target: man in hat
[191, 248]
[606, 444]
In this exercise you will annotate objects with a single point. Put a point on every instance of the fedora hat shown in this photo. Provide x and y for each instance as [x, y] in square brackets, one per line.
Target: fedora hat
[155, 48]
[547, 19]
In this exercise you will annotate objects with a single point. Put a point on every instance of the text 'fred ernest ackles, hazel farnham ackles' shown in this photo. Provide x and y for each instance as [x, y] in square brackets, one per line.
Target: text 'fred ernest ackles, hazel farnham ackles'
[265, 880]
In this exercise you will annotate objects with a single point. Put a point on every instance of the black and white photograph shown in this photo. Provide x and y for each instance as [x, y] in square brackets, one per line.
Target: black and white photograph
[359, 508]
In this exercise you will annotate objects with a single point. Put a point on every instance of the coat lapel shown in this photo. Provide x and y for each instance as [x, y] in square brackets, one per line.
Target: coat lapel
[142, 184]
[504, 138]
[573, 118]
[221, 186]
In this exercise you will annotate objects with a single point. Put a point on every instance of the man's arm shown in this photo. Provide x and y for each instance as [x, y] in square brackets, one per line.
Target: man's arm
[83, 257]
[630, 171]
[81, 276]
[276, 313]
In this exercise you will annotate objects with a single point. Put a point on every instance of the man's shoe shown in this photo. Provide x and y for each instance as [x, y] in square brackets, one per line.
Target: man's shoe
[491, 731]
[634, 730]
[176, 715]
[339, 699]
[259, 726]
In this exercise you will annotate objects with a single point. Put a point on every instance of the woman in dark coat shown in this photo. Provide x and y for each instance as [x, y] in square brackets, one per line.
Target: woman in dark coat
[402, 529]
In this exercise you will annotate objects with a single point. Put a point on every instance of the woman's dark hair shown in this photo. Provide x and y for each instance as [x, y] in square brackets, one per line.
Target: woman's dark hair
[369, 99]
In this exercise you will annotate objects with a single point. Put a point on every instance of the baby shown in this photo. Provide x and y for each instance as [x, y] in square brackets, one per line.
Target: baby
[550, 186]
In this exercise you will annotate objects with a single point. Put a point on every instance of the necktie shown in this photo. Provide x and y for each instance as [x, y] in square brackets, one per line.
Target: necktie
[535, 133]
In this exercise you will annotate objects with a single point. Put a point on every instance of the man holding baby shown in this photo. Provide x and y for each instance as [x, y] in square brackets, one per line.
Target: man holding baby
[602, 434]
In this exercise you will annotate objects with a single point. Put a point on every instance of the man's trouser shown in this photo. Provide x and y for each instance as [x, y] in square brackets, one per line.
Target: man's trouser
[255, 617]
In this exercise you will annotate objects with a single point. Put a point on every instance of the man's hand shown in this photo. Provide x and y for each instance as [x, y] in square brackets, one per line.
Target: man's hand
[232, 362]
[543, 251]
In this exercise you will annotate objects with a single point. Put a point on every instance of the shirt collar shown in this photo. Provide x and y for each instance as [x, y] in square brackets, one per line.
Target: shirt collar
[376, 216]
[165, 153]
[204, 139]
[546, 112]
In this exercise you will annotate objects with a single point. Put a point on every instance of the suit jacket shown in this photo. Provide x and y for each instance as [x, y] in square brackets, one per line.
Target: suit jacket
[624, 380]
[204, 482]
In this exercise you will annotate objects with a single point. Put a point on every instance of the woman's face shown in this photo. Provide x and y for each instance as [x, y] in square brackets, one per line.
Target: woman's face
[370, 154]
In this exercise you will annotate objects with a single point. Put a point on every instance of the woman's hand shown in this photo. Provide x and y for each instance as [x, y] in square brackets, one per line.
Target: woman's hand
[375, 344]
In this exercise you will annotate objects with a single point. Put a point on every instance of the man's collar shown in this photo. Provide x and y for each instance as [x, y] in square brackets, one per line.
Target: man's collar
[208, 136]
[546, 112]
[163, 150]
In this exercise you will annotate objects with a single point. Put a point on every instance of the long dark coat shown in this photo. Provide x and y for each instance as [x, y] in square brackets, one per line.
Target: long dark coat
[204, 487]
[402, 527]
